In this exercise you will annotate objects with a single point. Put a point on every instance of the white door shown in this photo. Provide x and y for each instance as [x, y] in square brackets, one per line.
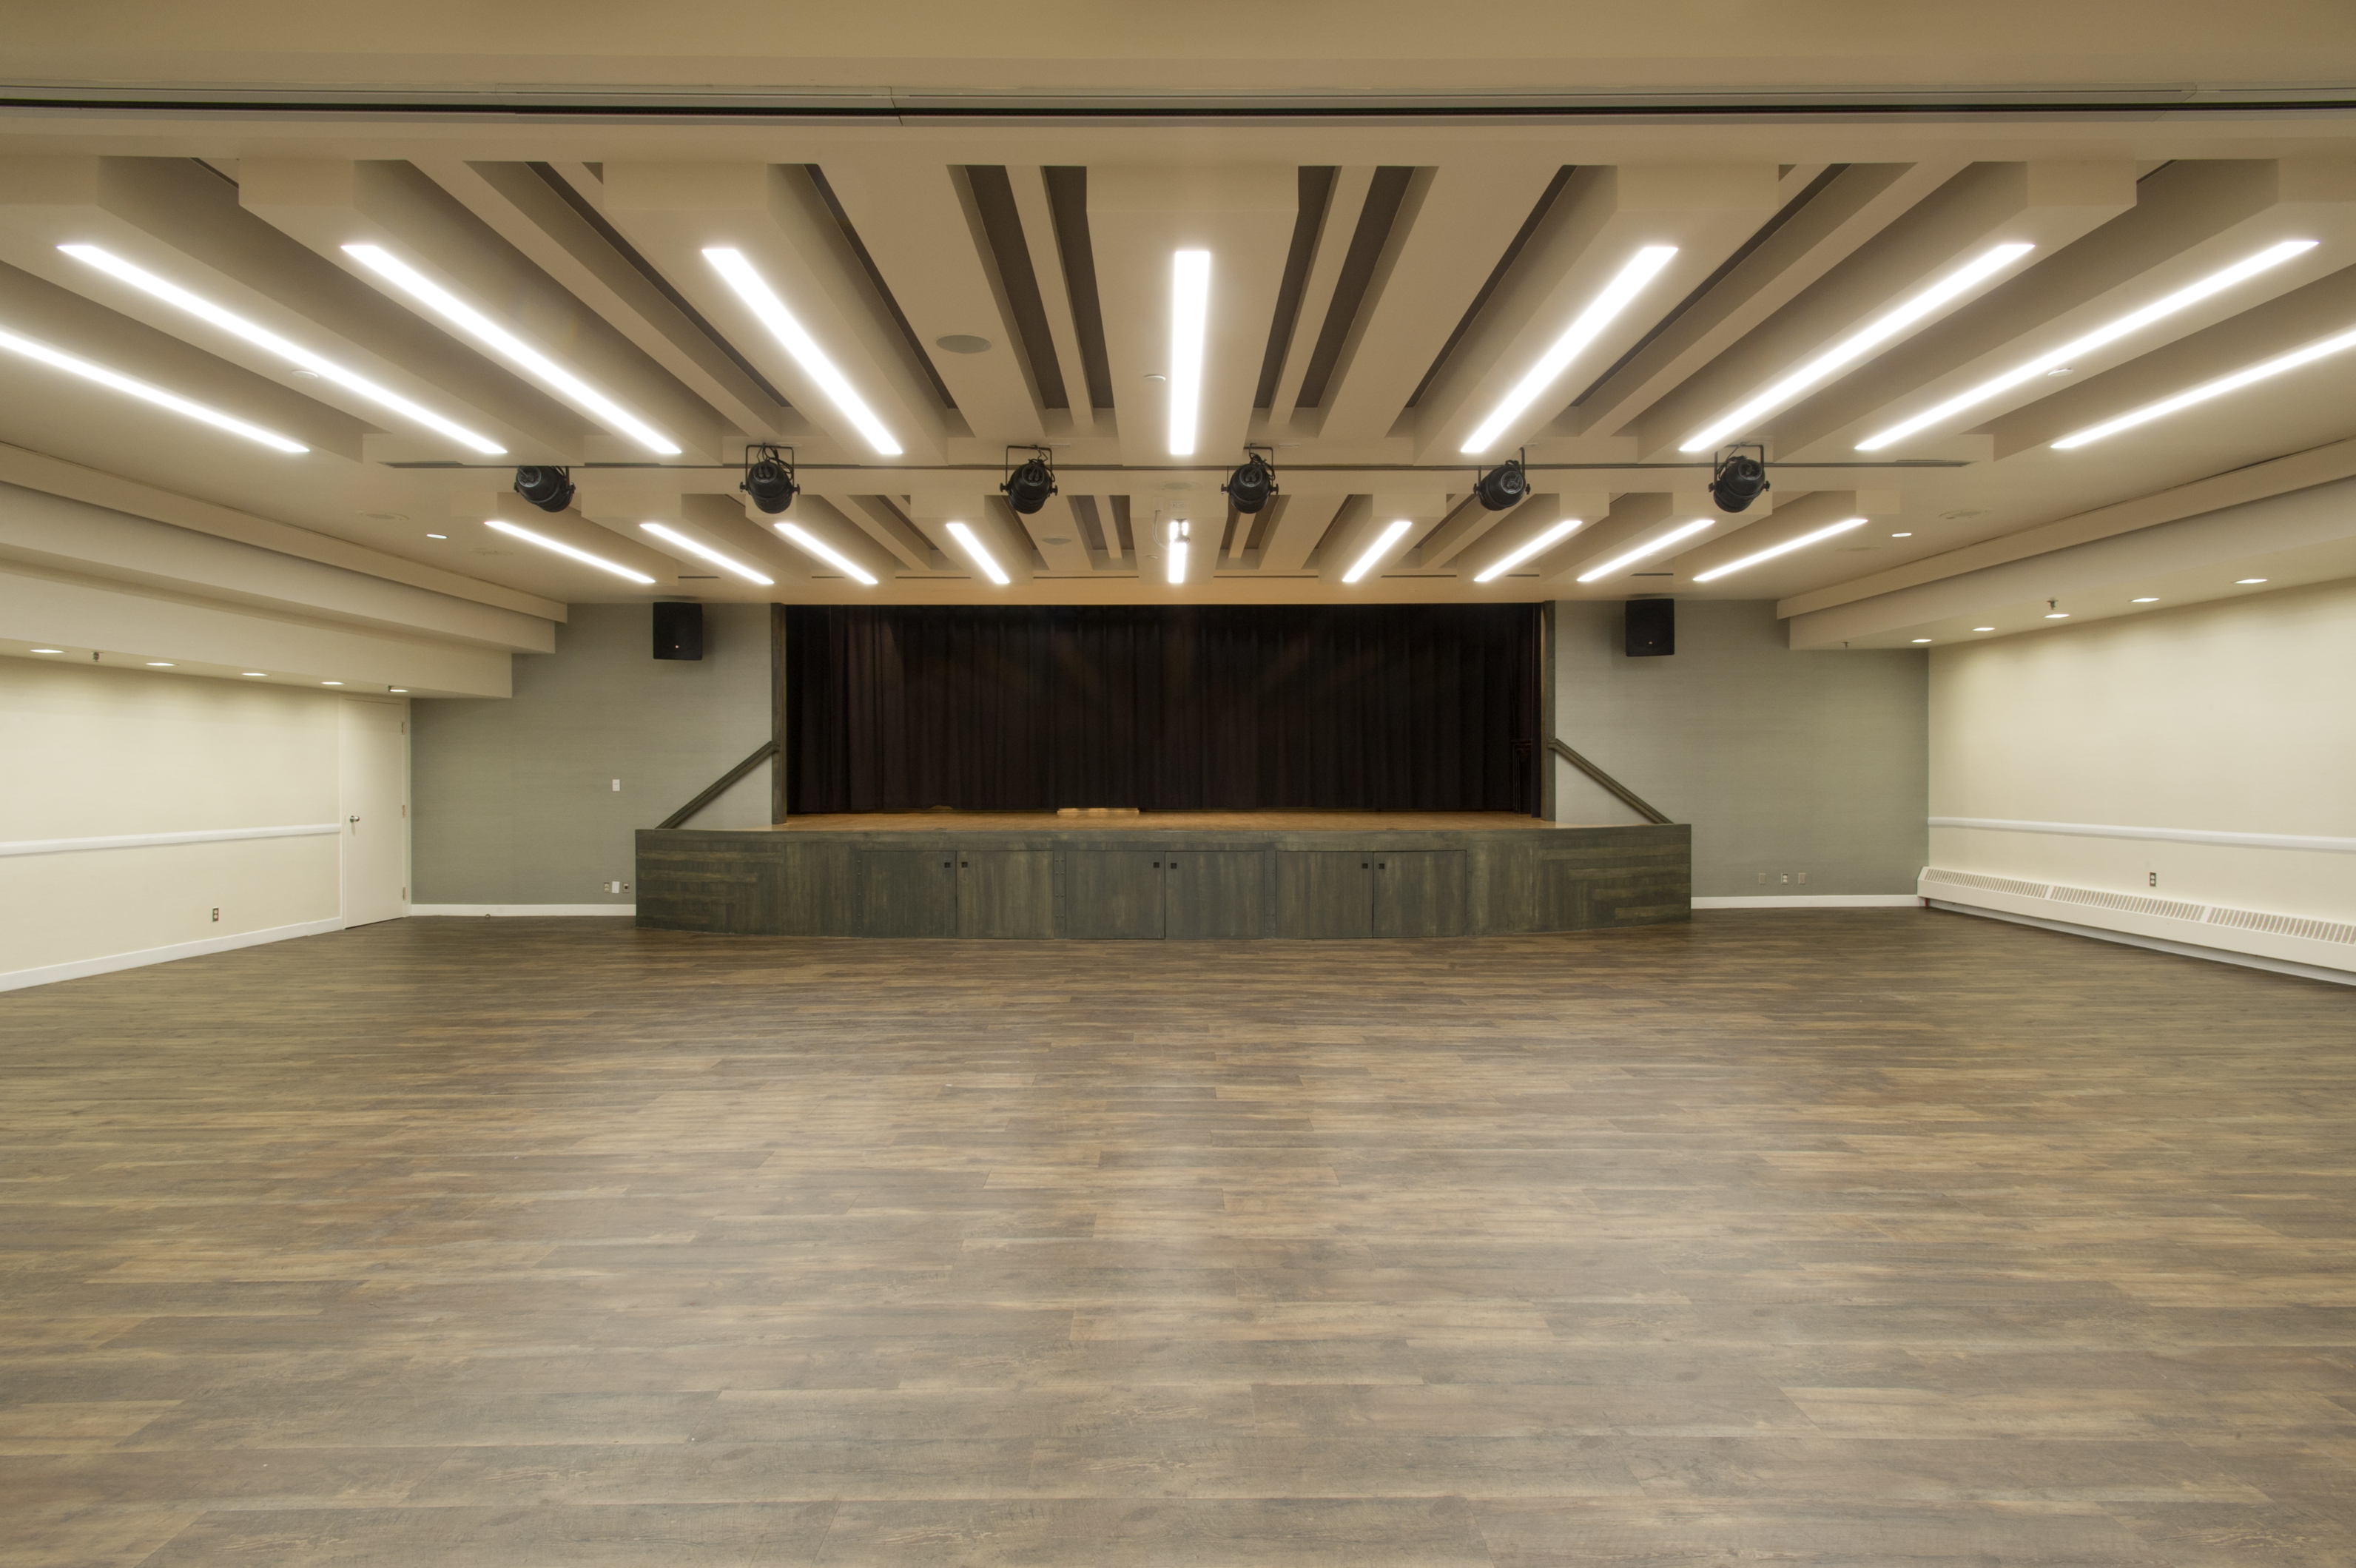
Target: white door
[374, 753]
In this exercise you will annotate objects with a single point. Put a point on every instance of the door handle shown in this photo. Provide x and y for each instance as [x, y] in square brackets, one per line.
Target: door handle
[351, 818]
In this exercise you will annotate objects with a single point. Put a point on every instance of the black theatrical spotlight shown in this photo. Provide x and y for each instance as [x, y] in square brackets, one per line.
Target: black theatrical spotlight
[1736, 480]
[550, 489]
[1252, 483]
[1028, 487]
[1503, 486]
[769, 478]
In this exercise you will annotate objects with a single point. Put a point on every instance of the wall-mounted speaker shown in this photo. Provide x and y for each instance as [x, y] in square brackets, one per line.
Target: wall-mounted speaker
[1651, 627]
[679, 631]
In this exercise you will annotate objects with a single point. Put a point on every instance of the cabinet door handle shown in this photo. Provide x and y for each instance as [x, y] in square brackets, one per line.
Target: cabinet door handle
[1382, 865]
[946, 867]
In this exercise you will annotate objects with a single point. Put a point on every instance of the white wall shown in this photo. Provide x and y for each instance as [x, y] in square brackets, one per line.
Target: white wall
[2234, 717]
[94, 752]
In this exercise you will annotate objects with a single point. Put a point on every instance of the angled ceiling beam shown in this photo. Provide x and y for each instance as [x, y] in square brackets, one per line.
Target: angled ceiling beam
[1343, 205]
[1038, 217]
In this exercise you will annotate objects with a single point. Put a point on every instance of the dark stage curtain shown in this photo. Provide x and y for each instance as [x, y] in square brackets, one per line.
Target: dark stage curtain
[1417, 707]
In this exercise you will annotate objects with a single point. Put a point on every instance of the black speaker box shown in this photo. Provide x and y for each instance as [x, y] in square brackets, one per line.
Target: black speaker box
[1651, 627]
[679, 631]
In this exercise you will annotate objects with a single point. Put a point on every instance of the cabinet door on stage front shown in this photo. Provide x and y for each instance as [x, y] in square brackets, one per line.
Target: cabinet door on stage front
[1419, 893]
[1324, 893]
[1006, 893]
[907, 893]
[1217, 893]
[1113, 893]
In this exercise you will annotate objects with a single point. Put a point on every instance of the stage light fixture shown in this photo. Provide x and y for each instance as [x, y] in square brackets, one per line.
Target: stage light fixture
[970, 542]
[509, 347]
[1378, 550]
[550, 489]
[1783, 549]
[2058, 363]
[1543, 542]
[810, 543]
[762, 301]
[262, 338]
[57, 359]
[2263, 370]
[1735, 481]
[769, 478]
[1646, 551]
[705, 552]
[1505, 485]
[1632, 277]
[1251, 484]
[562, 548]
[1837, 359]
[1190, 319]
[1026, 489]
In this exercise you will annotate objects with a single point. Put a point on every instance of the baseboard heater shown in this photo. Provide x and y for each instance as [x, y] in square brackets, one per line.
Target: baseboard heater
[2295, 940]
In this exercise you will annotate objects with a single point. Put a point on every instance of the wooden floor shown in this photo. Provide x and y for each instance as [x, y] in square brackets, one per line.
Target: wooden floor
[1866, 1239]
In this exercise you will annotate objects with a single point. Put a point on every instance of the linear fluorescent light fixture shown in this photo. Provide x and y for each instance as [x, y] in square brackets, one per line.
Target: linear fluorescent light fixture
[1375, 551]
[1783, 549]
[810, 543]
[1859, 344]
[262, 337]
[1544, 541]
[1174, 552]
[1646, 551]
[1190, 319]
[57, 358]
[971, 545]
[2135, 321]
[2263, 371]
[1639, 270]
[509, 347]
[762, 301]
[705, 552]
[583, 556]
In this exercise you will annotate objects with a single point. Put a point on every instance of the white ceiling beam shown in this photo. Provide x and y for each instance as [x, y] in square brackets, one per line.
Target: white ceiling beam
[1375, 537]
[1303, 522]
[1055, 529]
[1599, 223]
[1738, 537]
[1343, 205]
[824, 519]
[1038, 214]
[474, 508]
[933, 511]
[879, 517]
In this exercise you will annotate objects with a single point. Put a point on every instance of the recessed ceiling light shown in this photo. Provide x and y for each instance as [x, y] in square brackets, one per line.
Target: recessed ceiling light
[1174, 550]
[398, 691]
[2059, 614]
[509, 347]
[1773, 551]
[331, 682]
[762, 301]
[161, 664]
[437, 536]
[257, 675]
[1921, 639]
[57, 359]
[972, 545]
[48, 651]
[2246, 582]
[1646, 551]
[2149, 601]
[1546, 540]
[1858, 344]
[1190, 318]
[1375, 551]
[2057, 362]
[562, 549]
[2263, 370]
[1639, 270]
[704, 551]
[1982, 628]
[1908, 535]
[310, 364]
[962, 343]
[810, 543]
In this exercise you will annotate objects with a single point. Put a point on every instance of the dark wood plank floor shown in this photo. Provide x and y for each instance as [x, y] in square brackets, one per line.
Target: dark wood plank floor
[1862, 1239]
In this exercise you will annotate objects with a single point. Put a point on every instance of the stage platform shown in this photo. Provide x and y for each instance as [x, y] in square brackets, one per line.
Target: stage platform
[1331, 875]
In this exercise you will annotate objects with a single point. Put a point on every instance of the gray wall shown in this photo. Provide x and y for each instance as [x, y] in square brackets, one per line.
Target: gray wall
[1782, 762]
[514, 800]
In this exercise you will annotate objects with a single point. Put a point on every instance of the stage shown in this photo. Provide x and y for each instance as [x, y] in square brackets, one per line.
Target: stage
[1331, 875]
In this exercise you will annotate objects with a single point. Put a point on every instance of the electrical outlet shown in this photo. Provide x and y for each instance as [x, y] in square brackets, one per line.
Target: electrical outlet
[617, 786]
[1787, 878]
[2154, 879]
[1803, 879]
[216, 917]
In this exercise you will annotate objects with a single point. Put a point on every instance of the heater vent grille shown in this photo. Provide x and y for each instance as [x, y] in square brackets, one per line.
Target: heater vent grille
[1987, 884]
[2284, 925]
[2129, 902]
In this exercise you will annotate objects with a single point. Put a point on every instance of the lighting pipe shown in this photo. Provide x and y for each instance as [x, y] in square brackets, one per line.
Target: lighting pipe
[2263, 371]
[705, 552]
[1375, 551]
[971, 545]
[1639, 270]
[1646, 551]
[1859, 344]
[810, 543]
[1189, 318]
[57, 358]
[509, 347]
[1783, 549]
[562, 549]
[762, 301]
[262, 338]
[1544, 541]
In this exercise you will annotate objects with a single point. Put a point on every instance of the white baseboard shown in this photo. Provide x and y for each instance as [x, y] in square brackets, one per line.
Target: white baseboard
[528, 910]
[47, 974]
[1816, 901]
[2156, 944]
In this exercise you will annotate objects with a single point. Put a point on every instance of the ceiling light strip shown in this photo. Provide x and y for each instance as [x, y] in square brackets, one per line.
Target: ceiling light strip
[810, 543]
[1646, 551]
[705, 552]
[1858, 344]
[262, 338]
[1639, 270]
[562, 549]
[509, 347]
[1783, 549]
[783, 325]
[2207, 390]
[1174, 552]
[1378, 550]
[971, 545]
[1190, 320]
[57, 358]
[2135, 321]
[1544, 541]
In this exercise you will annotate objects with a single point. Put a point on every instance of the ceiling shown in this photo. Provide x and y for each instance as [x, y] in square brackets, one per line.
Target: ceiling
[1703, 250]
